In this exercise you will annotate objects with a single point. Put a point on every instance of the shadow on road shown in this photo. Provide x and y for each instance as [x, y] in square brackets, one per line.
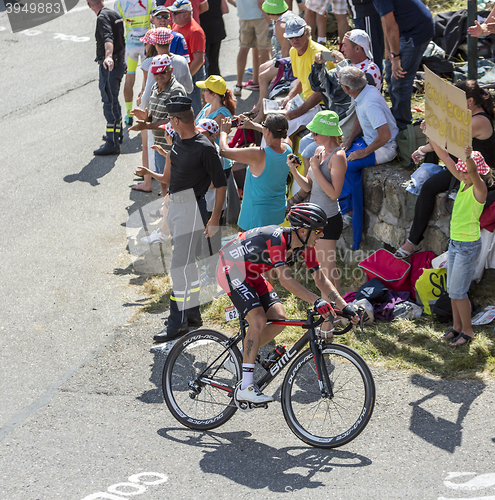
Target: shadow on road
[99, 166]
[438, 431]
[283, 467]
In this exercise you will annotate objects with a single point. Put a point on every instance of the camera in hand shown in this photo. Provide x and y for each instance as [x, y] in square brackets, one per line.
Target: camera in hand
[235, 121]
[296, 159]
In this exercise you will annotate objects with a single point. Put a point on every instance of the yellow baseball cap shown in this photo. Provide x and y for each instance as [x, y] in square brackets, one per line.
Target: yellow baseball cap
[214, 83]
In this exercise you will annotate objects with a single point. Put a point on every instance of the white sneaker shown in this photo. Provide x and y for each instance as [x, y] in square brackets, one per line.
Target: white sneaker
[229, 365]
[155, 237]
[252, 394]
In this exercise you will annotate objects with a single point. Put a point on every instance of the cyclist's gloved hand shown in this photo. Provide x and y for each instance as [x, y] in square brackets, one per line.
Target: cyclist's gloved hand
[322, 306]
[349, 311]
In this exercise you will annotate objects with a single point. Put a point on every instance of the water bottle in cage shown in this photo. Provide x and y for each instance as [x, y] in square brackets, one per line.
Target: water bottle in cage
[273, 357]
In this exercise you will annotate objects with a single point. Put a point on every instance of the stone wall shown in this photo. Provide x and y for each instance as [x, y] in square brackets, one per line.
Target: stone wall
[389, 211]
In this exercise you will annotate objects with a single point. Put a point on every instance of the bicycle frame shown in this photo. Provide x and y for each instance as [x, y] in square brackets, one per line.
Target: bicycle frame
[309, 337]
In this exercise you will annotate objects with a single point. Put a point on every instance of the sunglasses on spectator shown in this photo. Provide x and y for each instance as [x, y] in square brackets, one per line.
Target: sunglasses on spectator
[161, 16]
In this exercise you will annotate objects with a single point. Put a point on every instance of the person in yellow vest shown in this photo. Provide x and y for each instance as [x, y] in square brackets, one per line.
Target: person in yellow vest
[136, 15]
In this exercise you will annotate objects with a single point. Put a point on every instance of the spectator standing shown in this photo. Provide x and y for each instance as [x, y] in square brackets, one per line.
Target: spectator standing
[408, 27]
[377, 144]
[110, 55]
[166, 86]
[136, 14]
[214, 28]
[198, 7]
[253, 34]
[366, 18]
[160, 18]
[263, 200]
[196, 44]
[316, 16]
[192, 165]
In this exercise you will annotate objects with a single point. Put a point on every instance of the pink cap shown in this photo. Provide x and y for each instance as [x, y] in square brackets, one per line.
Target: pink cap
[483, 168]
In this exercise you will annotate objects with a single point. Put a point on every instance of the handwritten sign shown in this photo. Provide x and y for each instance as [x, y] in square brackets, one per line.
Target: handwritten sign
[448, 120]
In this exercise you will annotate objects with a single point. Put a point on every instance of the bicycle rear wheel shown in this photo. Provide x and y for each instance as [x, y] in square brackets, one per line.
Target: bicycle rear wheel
[332, 421]
[197, 387]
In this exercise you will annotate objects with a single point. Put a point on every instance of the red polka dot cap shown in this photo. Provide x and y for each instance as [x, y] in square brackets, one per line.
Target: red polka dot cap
[481, 164]
[207, 125]
[162, 36]
[148, 38]
[160, 63]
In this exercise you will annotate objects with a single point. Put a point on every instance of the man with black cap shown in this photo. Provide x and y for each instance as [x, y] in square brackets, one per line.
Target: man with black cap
[192, 165]
[110, 55]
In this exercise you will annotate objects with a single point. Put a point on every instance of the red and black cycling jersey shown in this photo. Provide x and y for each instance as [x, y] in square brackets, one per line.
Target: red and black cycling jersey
[265, 248]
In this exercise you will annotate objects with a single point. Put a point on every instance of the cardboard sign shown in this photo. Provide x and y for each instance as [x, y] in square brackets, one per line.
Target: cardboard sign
[448, 120]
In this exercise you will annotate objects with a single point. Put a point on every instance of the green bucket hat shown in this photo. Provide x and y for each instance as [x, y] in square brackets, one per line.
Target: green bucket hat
[325, 123]
[275, 6]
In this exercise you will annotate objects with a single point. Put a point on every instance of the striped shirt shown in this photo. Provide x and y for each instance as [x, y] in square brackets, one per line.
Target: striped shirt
[158, 110]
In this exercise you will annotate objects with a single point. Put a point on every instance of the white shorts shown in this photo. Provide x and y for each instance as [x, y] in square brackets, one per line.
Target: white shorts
[321, 6]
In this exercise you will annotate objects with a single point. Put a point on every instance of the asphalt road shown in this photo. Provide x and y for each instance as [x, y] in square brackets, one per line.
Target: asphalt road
[81, 411]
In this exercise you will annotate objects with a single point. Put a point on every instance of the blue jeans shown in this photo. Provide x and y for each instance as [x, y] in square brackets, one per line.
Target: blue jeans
[351, 197]
[461, 263]
[109, 83]
[400, 89]
[195, 95]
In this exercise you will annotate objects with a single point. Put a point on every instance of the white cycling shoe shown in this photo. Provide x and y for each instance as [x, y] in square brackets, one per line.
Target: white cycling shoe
[252, 394]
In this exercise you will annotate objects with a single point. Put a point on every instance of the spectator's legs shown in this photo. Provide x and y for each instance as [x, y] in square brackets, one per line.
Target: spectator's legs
[212, 55]
[373, 26]
[310, 18]
[195, 95]
[268, 72]
[342, 25]
[425, 205]
[241, 64]
[321, 26]
[400, 89]
[146, 184]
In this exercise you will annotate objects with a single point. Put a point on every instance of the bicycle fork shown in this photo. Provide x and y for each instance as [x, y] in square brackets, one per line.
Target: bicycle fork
[324, 382]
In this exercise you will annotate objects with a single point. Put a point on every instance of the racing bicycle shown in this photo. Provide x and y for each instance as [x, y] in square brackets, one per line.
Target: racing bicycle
[328, 392]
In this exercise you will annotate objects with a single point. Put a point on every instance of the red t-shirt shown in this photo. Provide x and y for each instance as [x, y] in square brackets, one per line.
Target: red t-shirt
[195, 37]
[195, 6]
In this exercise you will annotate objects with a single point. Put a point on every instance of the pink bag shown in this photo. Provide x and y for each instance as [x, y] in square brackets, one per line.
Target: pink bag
[391, 271]
[419, 261]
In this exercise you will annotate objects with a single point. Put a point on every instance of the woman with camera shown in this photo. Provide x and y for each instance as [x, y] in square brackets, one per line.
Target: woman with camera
[263, 200]
[324, 181]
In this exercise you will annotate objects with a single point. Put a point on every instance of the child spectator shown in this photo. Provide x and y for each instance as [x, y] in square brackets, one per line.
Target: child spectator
[465, 241]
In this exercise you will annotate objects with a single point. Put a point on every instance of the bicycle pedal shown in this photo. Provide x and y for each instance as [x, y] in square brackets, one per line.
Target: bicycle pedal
[258, 405]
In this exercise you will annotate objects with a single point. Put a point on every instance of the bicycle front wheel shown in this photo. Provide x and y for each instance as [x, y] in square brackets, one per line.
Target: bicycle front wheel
[198, 386]
[334, 420]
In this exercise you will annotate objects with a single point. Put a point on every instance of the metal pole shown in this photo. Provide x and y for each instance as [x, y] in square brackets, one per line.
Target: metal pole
[472, 42]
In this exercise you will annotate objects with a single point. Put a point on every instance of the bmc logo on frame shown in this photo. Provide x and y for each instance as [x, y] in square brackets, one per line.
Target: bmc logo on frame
[26, 14]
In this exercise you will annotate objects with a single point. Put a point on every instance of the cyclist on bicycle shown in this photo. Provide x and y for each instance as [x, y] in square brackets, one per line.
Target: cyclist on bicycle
[242, 262]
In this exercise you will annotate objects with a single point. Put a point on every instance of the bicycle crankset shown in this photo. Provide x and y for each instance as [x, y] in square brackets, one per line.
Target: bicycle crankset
[246, 406]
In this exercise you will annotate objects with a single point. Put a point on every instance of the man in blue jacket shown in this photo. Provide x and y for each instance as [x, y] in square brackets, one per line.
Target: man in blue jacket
[408, 27]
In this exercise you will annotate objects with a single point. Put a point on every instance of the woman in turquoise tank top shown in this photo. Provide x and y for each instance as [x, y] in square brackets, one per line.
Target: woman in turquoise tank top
[263, 202]
[465, 241]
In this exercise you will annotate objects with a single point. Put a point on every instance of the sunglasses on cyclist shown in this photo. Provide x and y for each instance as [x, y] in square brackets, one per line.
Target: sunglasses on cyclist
[318, 231]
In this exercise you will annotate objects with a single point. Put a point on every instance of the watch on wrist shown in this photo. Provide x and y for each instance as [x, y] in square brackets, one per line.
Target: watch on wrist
[393, 56]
